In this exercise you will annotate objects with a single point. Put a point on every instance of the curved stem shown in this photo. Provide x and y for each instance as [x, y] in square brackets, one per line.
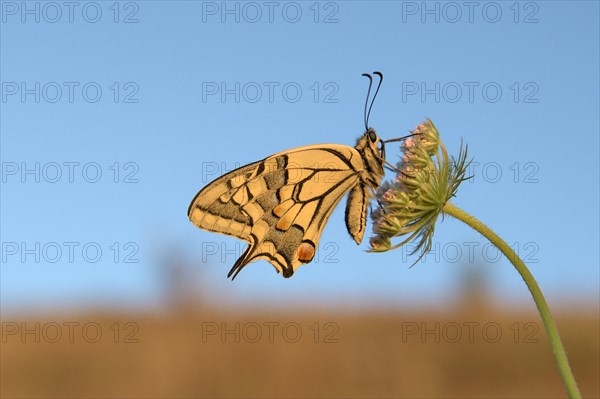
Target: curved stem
[538, 297]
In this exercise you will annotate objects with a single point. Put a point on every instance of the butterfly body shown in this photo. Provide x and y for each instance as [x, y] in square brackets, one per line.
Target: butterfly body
[281, 204]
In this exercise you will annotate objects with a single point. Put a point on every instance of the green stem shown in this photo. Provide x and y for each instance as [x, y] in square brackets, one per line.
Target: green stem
[538, 297]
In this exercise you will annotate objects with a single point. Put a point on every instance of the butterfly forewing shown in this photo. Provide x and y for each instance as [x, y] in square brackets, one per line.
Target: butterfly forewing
[214, 208]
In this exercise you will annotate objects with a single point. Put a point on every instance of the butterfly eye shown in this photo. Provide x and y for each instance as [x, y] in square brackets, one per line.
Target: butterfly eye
[372, 136]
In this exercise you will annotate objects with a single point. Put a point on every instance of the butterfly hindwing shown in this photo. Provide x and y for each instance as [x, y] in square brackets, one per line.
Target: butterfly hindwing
[215, 209]
[288, 236]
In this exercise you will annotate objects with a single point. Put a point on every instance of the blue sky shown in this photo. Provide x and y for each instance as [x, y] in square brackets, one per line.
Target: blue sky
[162, 97]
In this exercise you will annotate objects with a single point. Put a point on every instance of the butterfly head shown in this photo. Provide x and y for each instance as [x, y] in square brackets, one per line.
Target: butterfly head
[371, 140]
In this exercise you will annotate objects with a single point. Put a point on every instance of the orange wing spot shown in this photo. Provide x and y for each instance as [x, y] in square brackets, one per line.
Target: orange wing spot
[306, 252]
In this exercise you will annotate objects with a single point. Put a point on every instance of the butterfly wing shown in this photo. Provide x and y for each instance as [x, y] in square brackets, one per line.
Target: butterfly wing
[280, 205]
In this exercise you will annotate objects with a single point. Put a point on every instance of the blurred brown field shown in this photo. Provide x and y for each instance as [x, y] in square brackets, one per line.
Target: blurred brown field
[205, 353]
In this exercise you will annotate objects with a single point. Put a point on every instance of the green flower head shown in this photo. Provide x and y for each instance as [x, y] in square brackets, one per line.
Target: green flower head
[426, 179]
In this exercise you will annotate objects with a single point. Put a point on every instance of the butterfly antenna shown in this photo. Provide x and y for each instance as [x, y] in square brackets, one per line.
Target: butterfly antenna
[367, 99]
[375, 96]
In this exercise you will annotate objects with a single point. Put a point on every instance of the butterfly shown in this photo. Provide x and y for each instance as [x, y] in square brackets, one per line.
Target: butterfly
[281, 204]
